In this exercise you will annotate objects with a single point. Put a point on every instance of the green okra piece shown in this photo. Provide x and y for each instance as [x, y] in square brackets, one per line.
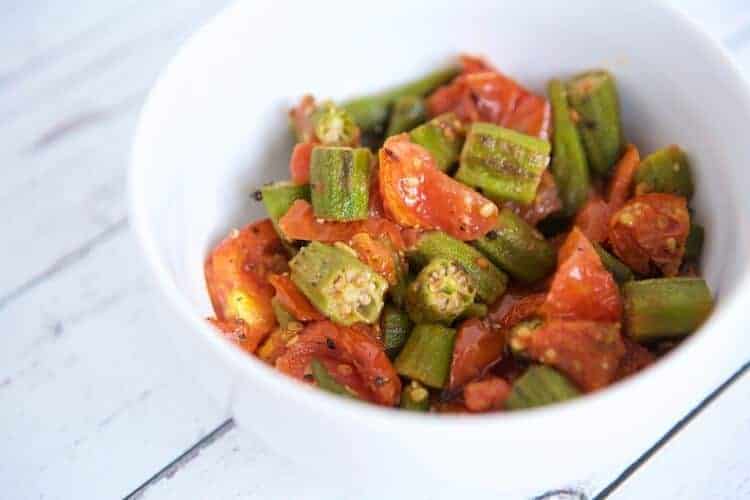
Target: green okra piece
[371, 112]
[427, 355]
[334, 126]
[340, 182]
[408, 112]
[443, 137]
[519, 335]
[338, 284]
[593, 97]
[326, 382]
[279, 196]
[395, 325]
[569, 164]
[620, 272]
[665, 307]
[415, 397]
[489, 281]
[283, 317]
[503, 164]
[539, 386]
[518, 248]
[694, 243]
[475, 310]
[442, 291]
[665, 171]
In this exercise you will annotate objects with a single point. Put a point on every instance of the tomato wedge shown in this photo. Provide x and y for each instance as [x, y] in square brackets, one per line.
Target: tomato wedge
[485, 395]
[621, 184]
[586, 351]
[651, 229]
[237, 331]
[291, 298]
[476, 348]
[416, 194]
[546, 202]
[299, 164]
[379, 254]
[582, 288]
[301, 118]
[635, 359]
[593, 218]
[353, 345]
[512, 309]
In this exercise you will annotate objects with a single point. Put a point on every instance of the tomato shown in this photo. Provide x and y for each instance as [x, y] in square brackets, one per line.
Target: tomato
[586, 351]
[473, 64]
[376, 208]
[546, 201]
[510, 368]
[299, 164]
[416, 194]
[581, 287]
[593, 218]
[621, 184]
[237, 331]
[236, 274]
[301, 118]
[300, 223]
[275, 344]
[476, 348]
[353, 345]
[291, 298]
[378, 254]
[483, 94]
[512, 309]
[651, 229]
[636, 358]
[487, 394]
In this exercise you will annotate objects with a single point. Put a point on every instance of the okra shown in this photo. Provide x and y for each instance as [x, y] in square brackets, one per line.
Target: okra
[517, 248]
[694, 243]
[569, 164]
[371, 112]
[665, 171]
[503, 164]
[620, 272]
[395, 326]
[283, 317]
[519, 335]
[415, 397]
[338, 284]
[474, 310]
[279, 196]
[443, 137]
[489, 281]
[326, 382]
[665, 307]
[334, 126]
[408, 112]
[340, 182]
[539, 386]
[427, 355]
[442, 291]
[596, 106]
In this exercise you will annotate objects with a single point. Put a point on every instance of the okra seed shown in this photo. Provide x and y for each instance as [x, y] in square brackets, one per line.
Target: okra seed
[487, 210]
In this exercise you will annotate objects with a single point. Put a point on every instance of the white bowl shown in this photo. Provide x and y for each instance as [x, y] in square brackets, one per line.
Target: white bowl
[214, 127]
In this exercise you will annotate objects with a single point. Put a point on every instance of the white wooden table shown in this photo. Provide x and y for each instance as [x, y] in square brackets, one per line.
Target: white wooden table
[92, 402]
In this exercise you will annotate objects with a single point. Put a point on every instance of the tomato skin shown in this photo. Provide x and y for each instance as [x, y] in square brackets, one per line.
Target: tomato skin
[378, 254]
[476, 348]
[512, 309]
[621, 184]
[238, 332]
[301, 118]
[299, 164]
[593, 219]
[485, 395]
[416, 194]
[588, 352]
[291, 298]
[242, 263]
[353, 345]
[546, 202]
[582, 289]
[651, 229]
[635, 359]
[300, 223]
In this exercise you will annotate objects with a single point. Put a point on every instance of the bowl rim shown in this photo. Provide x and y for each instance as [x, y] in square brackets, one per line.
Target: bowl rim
[371, 414]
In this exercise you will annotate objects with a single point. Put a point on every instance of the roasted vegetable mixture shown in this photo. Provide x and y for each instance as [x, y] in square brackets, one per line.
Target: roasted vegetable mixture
[461, 244]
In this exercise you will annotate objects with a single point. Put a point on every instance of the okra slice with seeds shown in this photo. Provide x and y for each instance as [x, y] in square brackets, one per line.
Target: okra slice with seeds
[539, 386]
[334, 126]
[517, 248]
[665, 171]
[427, 355]
[277, 197]
[489, 281]
[443, 137]
[593, 97]
[503, 164]
[340, 182]
[326, 382]
[519, 335]
[620, 272]
[442, 291]
[415, 397]
[665, 308]
[395, 325]
[338, 284]
[408, 112]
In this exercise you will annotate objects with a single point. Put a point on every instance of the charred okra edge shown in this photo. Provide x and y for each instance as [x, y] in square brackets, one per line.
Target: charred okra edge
[694, 243]
[427, 355]
[442, 291]
[539, 386]
[443, 137]
[340, 182]
[620, 272]
[665, 171]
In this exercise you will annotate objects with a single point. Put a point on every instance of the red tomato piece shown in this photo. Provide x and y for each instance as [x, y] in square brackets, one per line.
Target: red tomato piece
[586, 351]
[581, 287]
[300, 223]
[378, 254]
[512, 309]
[416, 194]
[593, 219]
[237, 331]
[236, 274]
[651, 229]
[299, 164]
[354, 345]
[376, 208]
[636, 358]
[291, 298]
[473, 64]
[301, 118]
[477, 347]
[621, 184]
[485, 395]
[546, 201]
